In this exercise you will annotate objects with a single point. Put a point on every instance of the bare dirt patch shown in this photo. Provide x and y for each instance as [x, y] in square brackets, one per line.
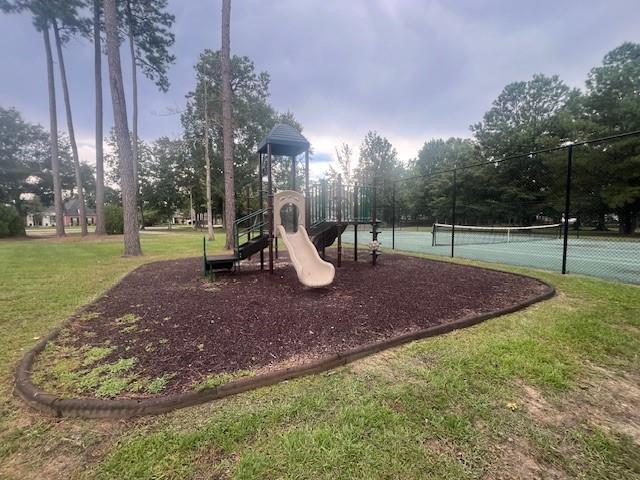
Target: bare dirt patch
[605, 400]
[165, 324]
[516, 460]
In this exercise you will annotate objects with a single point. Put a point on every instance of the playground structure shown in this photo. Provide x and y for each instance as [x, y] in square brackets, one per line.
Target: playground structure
[307, 223]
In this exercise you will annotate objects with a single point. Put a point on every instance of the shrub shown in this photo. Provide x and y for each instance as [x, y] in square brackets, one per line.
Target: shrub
[11, 225]
[152, 217]
[114, 220]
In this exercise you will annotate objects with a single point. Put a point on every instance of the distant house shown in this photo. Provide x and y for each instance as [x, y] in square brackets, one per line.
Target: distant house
[47, 218]
[71, 216]
[72, 213]
[179, 218]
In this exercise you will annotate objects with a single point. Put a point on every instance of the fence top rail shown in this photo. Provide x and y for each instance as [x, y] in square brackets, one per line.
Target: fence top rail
[524, 155]
[482, 228]
[344, 185]
[251, 215]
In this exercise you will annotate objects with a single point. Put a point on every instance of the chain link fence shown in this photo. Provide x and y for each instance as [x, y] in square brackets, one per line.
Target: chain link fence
[569, 209]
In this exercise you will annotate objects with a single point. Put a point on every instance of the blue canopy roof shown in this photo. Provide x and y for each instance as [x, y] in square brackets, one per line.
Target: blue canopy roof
[284, 140]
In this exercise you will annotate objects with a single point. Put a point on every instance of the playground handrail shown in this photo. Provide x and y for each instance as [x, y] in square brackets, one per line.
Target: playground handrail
[239, 231]
[326, 207]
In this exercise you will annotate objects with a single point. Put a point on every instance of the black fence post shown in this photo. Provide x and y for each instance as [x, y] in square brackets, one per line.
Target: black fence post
[270, 206]
[356, 221]
[453, 213]
[393, 218]
[339, 218]
[261, 206]
[567, 207]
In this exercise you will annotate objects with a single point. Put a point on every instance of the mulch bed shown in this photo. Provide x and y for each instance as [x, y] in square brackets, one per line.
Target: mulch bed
[255, 321]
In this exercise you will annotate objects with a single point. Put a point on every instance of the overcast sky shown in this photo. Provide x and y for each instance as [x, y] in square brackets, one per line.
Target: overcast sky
[410, 69]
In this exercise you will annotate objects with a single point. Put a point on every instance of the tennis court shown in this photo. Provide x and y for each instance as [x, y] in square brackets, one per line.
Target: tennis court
[604, 258]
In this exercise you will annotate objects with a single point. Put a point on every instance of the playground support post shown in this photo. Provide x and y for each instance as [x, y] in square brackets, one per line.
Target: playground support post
[393, 218]
[355, 223]
[293, 172]
[374, 220]
[323, 208]
[294, 188]
[339, 219]
[307, 216]
[453, 212]
[567, 207]
[323, 196]
[248, 190]
[261, 206]
[270, 207]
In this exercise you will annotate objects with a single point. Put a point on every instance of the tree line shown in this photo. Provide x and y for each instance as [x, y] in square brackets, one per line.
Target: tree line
[147, 26]
[210, 170]
[169, 174]
[530, 115]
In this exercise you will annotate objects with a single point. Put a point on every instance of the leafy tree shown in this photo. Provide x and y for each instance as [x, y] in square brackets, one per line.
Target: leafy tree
[526, 116]
[128, 187]
[164, 194]
[112, 160]
[23, 152]
[378, 158]
[379, 163]
[613, 90]
[430, 195]
[613, 102]
[114, 223]
[11, 225]
[147, 26]
[344, 168]
[252, 119]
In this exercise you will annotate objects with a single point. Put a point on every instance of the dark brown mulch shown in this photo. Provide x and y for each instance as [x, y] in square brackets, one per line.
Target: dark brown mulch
[254, 320]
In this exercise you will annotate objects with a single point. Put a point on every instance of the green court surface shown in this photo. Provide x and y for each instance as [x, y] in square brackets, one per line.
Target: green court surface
[617, 260]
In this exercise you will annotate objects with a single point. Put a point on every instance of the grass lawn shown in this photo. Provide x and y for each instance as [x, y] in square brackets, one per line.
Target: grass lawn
[549, 392]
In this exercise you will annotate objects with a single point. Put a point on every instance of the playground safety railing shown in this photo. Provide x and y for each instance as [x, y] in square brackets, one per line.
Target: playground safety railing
[249, 226]
[337, 202]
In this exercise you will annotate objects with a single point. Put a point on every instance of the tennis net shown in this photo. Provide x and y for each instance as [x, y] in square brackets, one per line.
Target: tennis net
[476, 235]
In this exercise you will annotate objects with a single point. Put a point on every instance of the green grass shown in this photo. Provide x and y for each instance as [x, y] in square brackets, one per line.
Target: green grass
[222, 378]
[553, 388]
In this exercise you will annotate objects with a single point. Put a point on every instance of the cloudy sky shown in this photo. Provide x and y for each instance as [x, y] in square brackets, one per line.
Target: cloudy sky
[410, 69]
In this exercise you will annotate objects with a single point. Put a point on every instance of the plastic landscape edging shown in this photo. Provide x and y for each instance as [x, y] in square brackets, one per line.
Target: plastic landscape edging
[127, 408]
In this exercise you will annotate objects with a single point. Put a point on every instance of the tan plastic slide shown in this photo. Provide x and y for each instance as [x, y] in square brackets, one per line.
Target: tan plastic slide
[312, 271]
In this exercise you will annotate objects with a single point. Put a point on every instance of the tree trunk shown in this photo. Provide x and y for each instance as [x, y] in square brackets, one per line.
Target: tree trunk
[207, 162]
[19, 205]
[53, 121]
[100, 221]
[191, 211]
[72, 136]
[127, 184]
[627, 222]
[141, 218]
[134, 109]
[227, 128]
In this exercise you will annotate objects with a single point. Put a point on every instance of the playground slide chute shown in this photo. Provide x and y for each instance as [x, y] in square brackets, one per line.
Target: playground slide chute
[311, 269]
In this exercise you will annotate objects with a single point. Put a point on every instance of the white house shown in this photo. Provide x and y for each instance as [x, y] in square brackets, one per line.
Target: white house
[45, 219]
